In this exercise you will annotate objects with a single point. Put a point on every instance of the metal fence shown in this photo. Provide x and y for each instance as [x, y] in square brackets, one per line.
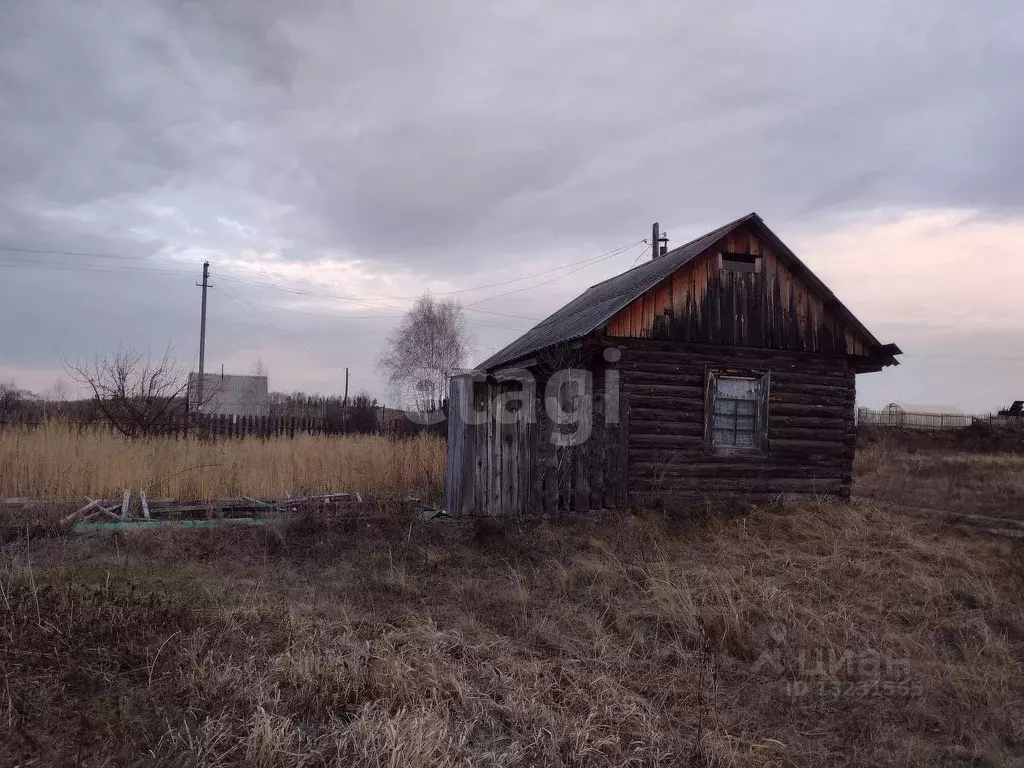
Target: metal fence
[897, 417]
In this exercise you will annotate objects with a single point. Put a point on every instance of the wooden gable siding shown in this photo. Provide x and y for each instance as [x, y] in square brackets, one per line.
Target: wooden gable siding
[774, 308]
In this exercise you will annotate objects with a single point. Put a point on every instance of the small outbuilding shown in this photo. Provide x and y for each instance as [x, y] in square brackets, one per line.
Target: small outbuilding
[722, 369]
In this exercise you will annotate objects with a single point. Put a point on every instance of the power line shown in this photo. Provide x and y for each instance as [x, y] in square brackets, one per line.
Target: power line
[362, 300]
[314, 314]
[74, 267]
[86, 267]
[547, 282]
[45, 251]
[589, 259]
[246, 305]
[638, 256]
[139, 269]
[402, 313]
[243, 302]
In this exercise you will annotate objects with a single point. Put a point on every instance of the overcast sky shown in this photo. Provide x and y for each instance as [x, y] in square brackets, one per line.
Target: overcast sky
[334, 159]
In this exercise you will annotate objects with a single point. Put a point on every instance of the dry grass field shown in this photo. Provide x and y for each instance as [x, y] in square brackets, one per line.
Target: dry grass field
[821, 634]
[953, 482]
[62, 463]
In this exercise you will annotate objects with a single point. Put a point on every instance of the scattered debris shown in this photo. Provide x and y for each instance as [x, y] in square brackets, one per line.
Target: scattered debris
[126, 513]
[122, 525]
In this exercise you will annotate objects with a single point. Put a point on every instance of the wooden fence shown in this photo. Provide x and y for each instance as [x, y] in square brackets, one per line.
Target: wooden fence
[224, 426]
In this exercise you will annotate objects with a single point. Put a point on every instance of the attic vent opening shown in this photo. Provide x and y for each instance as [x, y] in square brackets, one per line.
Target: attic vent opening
[740, 262]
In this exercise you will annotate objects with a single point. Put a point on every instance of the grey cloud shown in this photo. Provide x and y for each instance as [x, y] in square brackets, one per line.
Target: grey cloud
[405, 131]
[456, 136]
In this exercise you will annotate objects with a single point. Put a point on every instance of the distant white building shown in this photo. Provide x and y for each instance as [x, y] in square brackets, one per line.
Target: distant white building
[229, 395]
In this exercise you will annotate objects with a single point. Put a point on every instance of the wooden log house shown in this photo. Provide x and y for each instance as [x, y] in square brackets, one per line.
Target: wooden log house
[722, 369]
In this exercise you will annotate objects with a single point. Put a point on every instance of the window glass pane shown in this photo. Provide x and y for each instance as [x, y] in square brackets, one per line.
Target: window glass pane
[743, 389]
[745, 423]
[724, 436]
[746, 407]
[745, 439]
[725, 405]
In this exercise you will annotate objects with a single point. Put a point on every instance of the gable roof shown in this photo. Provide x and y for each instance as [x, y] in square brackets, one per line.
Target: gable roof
[599, 303]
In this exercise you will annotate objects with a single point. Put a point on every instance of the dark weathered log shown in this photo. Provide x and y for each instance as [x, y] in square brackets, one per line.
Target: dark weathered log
[696, 352]
[694, 413]
[672, 391]
[684, 376]
[700, 499]
[811, 401]
[667, 404]
[733, 470]
[776, 421]
[797, 448]
[778, 407]
[833, 436]
[746, 484]
[837, 391]
[795, 376]
[665, 369]
[671, 441]
[682, 424]
[690, 454]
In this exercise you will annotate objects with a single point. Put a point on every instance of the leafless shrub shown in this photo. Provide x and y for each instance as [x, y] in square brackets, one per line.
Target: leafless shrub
[10, 399]
[137, 394]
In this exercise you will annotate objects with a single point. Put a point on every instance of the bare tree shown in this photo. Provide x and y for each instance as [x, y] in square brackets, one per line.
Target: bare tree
[135, 392]
[56, 400]
[362, 414]
[11, 400]
[425, 349]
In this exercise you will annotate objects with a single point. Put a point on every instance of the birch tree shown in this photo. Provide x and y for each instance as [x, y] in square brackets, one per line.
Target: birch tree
[430, 344]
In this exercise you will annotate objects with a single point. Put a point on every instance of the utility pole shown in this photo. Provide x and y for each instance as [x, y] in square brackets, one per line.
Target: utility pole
[655, 241]
[344, 404]
[202, 336]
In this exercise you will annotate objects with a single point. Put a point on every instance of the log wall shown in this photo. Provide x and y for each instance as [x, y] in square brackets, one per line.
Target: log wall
[811, 429]
[656, 449]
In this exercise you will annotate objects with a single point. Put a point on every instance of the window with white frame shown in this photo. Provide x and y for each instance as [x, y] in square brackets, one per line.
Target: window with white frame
[737, 412]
